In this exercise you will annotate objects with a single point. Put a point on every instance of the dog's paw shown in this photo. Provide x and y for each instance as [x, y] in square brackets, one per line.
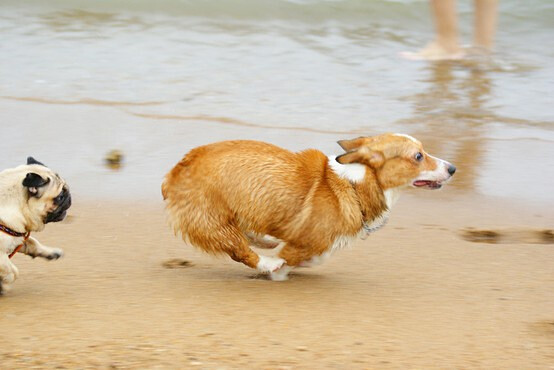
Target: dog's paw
[281, 274]
[9, 278]
[54, 254]
[269, 264]
[5, 287]
[8, 275]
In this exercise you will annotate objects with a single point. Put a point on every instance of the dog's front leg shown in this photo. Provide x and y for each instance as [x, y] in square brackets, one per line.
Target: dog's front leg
[316, 260]
[33, 248]
[8, 273]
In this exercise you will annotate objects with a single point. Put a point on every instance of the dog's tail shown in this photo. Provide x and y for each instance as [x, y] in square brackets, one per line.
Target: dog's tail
[185, 202]
[164, 189]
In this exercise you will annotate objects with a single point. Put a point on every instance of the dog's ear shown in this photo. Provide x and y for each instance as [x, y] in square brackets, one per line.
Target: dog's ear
[33, 182]
[352, 144]
[362, 155]
[31, 160]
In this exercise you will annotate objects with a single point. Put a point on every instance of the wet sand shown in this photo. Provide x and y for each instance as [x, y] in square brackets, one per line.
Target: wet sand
[417, 294]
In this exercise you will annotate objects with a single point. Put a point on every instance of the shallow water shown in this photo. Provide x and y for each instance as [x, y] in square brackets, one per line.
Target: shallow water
[157, 78]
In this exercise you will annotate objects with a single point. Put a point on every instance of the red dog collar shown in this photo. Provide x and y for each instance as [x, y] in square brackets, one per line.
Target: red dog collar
[16, 234]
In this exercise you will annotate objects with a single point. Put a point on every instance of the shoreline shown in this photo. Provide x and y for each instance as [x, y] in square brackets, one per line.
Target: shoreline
[489, 160]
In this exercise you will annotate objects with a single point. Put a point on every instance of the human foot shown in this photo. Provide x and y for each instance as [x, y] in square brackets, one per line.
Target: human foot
[435, 52]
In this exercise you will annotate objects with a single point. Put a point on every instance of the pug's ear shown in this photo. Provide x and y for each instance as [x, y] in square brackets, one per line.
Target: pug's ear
[363, 155]
[31, 160]
[33, 182]
[352, 144]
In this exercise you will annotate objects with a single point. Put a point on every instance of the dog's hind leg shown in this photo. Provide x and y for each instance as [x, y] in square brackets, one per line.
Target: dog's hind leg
[231, 240]
[8, 273]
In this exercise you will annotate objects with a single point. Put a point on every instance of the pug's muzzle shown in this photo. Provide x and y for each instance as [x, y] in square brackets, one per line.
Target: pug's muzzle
[63, 202]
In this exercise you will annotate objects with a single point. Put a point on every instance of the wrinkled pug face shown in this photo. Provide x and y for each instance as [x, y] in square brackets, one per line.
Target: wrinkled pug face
[47, 194]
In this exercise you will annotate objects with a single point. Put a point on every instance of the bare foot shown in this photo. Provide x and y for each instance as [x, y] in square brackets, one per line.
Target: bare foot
[434, 52]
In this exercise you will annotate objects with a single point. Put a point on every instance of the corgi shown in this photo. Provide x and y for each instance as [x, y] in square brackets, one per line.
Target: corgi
[228, 196]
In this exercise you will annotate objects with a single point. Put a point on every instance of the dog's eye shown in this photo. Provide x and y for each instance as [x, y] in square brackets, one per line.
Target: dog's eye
[419, 157]
[58, 199]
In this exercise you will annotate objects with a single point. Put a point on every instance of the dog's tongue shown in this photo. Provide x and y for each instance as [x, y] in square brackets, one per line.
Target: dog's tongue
[421, 183]
[428, 184]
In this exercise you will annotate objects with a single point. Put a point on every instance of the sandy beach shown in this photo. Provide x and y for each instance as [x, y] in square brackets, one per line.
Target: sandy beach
[417, 294]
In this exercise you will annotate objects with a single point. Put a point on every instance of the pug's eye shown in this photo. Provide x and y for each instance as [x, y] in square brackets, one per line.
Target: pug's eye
[418, 157]
[58, 199]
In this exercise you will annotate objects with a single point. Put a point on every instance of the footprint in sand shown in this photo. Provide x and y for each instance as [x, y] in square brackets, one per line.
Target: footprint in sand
[508, 236]
[177, 263]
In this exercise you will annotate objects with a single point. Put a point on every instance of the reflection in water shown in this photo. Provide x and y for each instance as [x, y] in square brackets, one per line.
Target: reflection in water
[479, 86]
[455, 90]
[460, 124]
[454, 111]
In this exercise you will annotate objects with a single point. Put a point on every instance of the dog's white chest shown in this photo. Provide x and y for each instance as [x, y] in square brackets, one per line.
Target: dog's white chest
[344, 241]
[341, 242]
[7, 244]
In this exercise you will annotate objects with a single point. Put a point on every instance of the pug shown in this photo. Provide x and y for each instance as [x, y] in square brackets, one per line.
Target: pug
[31, 196]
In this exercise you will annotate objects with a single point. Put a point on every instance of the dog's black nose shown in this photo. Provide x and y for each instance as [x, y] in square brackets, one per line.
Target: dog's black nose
[451, 169]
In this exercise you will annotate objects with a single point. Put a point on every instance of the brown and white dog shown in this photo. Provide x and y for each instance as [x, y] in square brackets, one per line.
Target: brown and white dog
[226, 196]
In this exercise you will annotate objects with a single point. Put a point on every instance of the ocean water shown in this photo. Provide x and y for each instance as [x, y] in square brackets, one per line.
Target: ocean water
[300, 73]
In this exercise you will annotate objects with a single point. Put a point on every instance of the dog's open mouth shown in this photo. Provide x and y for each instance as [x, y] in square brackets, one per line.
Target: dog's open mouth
[428, 184]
